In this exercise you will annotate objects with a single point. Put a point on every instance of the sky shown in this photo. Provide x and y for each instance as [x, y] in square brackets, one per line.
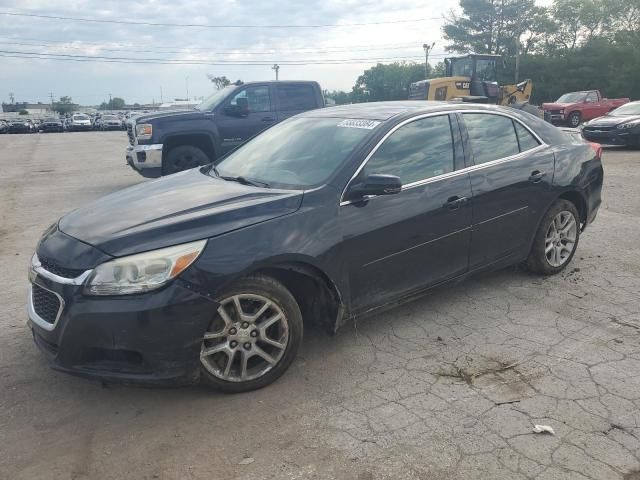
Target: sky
[273, 31]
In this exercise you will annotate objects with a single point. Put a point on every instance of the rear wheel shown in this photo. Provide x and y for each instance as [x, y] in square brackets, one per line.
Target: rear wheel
[252, 338]
[182, 158]
[574, 119]
[556, 240]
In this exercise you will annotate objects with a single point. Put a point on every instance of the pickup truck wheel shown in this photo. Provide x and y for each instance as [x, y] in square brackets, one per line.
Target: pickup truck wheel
[556, 240]
[182, 158]
[574, 119]
[253, 336]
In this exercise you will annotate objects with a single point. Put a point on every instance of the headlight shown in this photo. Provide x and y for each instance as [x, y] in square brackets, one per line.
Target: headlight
[144, 130]
[142, 272]
[632, 124]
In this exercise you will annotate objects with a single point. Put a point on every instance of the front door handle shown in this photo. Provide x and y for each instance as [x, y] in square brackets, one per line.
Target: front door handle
[268, 119]
[537, 176]
[455, 202]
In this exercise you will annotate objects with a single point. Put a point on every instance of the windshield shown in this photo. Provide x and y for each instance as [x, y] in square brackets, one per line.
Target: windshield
[297, 153]
[627, 109]
[80, 117]
[572, 97]
[214, 99]
[461, 67]
[486, 70]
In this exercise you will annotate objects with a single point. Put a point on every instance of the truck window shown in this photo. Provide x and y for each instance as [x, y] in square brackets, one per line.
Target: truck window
[486, 70]
[296, 97]
[592, 97]
[257, 99]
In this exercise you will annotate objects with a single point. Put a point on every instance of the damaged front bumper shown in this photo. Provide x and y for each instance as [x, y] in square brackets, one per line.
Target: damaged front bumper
[151, 338]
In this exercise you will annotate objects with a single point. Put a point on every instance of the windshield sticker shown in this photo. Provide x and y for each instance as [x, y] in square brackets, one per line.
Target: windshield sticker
[366, 124]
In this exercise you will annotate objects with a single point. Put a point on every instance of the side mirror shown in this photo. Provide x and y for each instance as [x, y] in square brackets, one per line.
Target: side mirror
[375, 184]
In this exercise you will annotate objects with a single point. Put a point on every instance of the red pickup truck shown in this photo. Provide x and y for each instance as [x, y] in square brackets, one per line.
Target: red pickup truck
[577, 107]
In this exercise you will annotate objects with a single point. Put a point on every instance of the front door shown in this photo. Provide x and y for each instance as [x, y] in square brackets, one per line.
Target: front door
[245, 115]
[511, 183]
[394, 244]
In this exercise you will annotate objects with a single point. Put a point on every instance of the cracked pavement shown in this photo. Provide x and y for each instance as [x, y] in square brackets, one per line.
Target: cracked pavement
[448, 386]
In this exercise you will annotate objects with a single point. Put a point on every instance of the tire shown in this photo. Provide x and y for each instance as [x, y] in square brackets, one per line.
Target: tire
[218, 348]
[182, 158]
[549, 263]
[575, 118]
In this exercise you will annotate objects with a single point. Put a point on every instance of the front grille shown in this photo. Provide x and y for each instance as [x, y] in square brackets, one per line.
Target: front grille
[555, 112]
[132, 138]
[45, 303]
[598, 129]
[56, 269]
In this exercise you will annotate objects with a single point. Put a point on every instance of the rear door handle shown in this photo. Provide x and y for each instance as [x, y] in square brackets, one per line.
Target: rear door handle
[268, 119]
[455, 202]
[537, 176]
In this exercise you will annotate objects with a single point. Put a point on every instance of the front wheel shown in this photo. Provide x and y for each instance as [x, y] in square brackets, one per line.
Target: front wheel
[574, 119]
[182, 158]
[556, 240]
[252, 338]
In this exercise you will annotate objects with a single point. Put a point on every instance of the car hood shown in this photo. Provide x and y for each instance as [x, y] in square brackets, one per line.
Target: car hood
[180, 208]
[611, 120]
[176, 114]
[555, 106]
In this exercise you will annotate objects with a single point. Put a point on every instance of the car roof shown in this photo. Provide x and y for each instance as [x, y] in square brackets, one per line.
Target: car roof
[385, 110]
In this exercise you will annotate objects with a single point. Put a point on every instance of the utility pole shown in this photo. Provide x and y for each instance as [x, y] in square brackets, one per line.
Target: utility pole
[161, 99]
[276, 67]
[186, 81]
[51, 97]
[517, 58]
[427, 48]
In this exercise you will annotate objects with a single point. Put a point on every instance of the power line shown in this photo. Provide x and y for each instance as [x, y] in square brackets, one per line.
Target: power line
[187, 49]
[202, 25]
[208, 49]
[164, 61]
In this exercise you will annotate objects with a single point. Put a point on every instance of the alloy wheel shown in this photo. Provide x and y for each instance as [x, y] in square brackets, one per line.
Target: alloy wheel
[246, 338]
[560, 240]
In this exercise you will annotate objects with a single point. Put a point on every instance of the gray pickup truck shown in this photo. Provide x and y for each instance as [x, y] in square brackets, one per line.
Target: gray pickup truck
[163, 143]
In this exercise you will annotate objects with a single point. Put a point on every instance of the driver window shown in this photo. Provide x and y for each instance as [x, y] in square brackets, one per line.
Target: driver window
[252, 100]
[592, 98]
[416, 151]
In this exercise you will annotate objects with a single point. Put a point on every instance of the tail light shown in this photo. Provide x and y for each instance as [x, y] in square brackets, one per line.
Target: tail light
[596, 148]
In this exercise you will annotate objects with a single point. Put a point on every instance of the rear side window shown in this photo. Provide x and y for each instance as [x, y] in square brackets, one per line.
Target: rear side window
[296, 97]
[492, 137]
[416, 151]
[525, 139]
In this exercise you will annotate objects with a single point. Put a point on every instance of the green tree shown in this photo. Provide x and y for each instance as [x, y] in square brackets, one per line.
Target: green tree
[338, 96]
[116, 103]
[64, 105]
[387, 82]
[219, 82]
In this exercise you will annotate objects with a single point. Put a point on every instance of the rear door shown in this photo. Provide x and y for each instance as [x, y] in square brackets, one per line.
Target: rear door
[294, 98]
[511, 172]
[394, 244]
[259, 108]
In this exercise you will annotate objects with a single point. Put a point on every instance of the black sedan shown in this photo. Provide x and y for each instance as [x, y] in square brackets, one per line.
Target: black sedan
[618, 127]
[21, 126]
[52, 124]
[328, 216]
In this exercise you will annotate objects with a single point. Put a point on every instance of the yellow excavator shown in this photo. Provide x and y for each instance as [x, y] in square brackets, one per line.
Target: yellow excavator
[472, 78]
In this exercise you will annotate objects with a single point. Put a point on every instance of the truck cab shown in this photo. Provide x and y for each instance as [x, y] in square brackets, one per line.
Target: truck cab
[163, 143]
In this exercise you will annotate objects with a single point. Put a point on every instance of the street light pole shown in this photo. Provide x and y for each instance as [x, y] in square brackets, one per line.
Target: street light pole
[427, 48]
[186, 81]
[276, 67]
